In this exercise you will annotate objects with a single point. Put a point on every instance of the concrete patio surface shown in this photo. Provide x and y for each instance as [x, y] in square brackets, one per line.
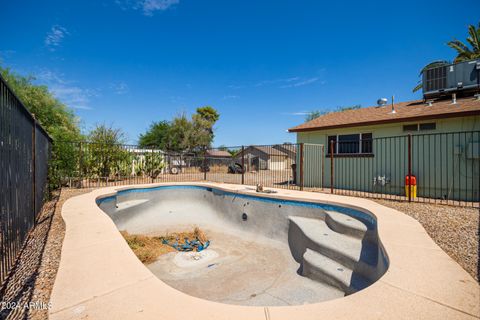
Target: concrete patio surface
[100, 277]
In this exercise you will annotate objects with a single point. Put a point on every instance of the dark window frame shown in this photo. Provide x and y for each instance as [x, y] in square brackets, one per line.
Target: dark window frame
[359, 142]
[410, 127]
[425, 126]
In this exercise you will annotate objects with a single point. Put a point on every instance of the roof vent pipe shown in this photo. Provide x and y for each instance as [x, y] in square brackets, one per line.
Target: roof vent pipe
[393, 105]
[454, 98]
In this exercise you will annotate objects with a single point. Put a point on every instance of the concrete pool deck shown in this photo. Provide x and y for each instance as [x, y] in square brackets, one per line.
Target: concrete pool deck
[99, 277]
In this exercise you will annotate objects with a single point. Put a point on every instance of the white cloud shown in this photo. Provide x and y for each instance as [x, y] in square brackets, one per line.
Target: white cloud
[267, 82]
[72, 95]
[119, 87]
[49, 77]
[300, 83]
[55, 37]
[230, 97]
[232, 86]
[148, 7]
[283, 82]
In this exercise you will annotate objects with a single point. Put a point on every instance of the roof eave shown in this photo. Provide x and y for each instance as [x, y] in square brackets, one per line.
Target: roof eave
[369, 123]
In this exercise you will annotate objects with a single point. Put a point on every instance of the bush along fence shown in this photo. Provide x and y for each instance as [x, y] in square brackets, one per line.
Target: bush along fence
[24, 155]
[438, 168]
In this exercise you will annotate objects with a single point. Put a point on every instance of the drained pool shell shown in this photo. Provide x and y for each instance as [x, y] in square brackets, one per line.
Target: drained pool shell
[334, 246]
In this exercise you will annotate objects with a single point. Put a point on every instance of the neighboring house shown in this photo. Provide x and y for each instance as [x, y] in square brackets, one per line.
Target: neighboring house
[264, 158]
[218, 157]
[370, 150]
[218, 154]
[288, 148]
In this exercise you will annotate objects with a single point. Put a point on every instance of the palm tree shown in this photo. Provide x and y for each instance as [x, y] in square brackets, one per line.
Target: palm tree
[464, 53]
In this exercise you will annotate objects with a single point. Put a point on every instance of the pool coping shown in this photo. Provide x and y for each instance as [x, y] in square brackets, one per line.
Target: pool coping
[422, 281]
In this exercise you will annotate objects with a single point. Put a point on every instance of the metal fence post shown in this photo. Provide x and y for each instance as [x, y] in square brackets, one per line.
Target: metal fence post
[152, 164]
[301, 166]
[205, 164]
[34, 175]
[409, 167]
[243, 164]
[323, 165]
[332, 146]
[80, 164]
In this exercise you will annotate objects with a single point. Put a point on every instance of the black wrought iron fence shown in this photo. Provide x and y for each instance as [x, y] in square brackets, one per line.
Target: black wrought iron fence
[24, 155]
[99, 165]
[439, 168]
[435, 167]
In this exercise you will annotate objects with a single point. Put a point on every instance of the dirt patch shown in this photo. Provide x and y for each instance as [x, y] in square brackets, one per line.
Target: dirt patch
[31, 280]
[148, 249]
[455, 229]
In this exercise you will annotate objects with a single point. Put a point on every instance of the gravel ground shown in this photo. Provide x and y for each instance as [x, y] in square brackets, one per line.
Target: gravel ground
[28, 289]
[455, 229]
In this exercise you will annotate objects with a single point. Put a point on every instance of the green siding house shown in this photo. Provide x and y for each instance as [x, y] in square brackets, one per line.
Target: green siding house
[373, 149]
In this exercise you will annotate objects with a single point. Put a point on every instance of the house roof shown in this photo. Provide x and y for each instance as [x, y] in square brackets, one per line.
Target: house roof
[287, 148]
[269, 150]
[219, 153]
[405, 111]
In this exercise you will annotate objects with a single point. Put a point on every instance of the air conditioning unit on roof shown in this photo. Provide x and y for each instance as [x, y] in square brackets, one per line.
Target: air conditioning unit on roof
[460, 78]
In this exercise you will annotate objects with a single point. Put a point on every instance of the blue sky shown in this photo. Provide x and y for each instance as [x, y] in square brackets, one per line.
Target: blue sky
[262, 64]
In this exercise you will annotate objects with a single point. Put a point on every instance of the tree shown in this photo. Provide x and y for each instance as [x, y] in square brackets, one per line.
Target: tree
[55, 117]
[317, 113]
[182, 134]
[464, 53]
[209, 114]
[313, 115]
[106, 155]
[346, 108]
[202, 125]
[156, 136]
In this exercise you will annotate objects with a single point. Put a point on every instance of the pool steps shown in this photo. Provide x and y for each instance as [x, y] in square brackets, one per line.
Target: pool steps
[339, 251]
[345, 224]
[130, 204]
[318, 267]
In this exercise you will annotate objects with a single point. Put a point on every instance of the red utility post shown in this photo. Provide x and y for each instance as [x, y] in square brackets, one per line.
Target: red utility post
[409, 167]
[243, 164]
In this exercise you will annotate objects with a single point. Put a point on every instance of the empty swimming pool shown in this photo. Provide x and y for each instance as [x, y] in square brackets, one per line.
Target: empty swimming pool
[264, 250]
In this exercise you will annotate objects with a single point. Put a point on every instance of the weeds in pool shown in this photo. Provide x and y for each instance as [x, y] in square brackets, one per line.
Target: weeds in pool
[148, 249]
